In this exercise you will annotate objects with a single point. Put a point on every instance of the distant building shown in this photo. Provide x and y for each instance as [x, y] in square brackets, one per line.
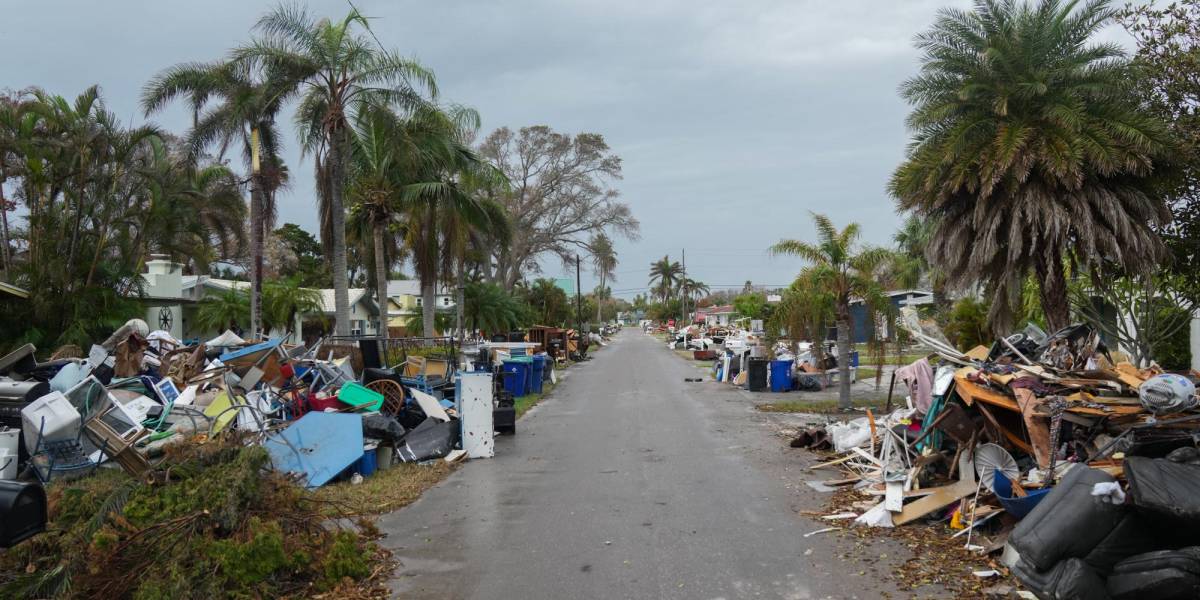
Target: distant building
[405, 302]
[173, 299]
[716, 316]
[862, 324]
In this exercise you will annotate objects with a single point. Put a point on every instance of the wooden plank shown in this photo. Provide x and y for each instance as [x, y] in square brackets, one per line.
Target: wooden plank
[979, 352]
[971, 392]
[893, 499]
[1129, 375]
[939, 498]
[1016, 440]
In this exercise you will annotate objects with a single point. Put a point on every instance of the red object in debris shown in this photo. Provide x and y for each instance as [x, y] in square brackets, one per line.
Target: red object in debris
[319, 403]
[287, 371]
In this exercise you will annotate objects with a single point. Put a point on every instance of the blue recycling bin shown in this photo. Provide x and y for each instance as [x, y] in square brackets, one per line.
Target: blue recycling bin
[516, 377]
[781, 375]
[538, 373]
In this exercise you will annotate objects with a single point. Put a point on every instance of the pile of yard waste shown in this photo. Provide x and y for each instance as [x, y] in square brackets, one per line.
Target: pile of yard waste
[213, 522]
[151, 467]
[1046, 455]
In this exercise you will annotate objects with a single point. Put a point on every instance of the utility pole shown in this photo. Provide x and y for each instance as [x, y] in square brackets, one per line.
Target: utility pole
[578, 302]
[685, 290]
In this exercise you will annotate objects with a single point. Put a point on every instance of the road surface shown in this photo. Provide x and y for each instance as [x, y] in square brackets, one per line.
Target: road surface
[628, 482]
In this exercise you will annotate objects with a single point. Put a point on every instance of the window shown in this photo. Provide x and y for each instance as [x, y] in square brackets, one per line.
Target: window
[446, 301]
[356, 327]
[418, 301]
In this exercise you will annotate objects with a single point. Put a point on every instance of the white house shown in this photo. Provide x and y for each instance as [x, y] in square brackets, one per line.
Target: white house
[173, 299]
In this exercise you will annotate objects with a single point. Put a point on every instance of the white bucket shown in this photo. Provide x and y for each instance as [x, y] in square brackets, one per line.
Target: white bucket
[10, 440]
[8, 464]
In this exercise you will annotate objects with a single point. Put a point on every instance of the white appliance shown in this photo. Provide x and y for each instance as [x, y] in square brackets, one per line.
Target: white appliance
[473, 395]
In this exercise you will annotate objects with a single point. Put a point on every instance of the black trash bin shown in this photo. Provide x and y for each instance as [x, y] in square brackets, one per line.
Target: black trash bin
[756, 381]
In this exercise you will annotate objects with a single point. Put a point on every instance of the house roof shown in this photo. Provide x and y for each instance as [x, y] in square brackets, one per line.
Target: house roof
[329, 305]
[720, 310]
[412, 287]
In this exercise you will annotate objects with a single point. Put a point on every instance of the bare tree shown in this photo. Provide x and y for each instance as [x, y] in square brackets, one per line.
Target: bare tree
[560, 196]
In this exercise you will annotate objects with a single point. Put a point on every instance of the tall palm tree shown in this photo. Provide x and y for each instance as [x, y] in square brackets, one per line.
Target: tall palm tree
[693, 289]
[375, 189]
[604, 263]
[440, 201]
[338, 72]
[1030, 150]
[664, 275]
[846, 272]
[233, 103]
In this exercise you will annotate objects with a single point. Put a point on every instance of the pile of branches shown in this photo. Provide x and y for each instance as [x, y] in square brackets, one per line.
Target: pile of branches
[215, 522]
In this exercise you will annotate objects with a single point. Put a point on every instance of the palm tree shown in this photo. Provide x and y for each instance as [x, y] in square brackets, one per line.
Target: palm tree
[846, 272]
[232, 103]
[490, 308]
[283, 300]
[604, 262]
[338, 72]
[692, 289]
[226, 310]
[664, 275]
[375, 189]
[440, 201]
[1030, 149]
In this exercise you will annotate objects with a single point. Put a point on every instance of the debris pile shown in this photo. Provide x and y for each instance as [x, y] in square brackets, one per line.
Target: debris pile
[1081, 471]
[160, 458]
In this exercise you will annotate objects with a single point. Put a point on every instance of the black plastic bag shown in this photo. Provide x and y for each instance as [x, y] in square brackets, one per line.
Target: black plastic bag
[382, 427]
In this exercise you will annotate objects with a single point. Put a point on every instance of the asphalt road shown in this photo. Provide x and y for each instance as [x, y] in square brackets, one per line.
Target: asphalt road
[629, 483]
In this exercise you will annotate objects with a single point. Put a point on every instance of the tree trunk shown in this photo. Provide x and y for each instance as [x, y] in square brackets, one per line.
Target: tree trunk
[256, 256]
[4, 222]
[843, 344]
[458, 303]
[600, 298]
[428, 305]
[337, 175]
[381, 283]
[1052, 287]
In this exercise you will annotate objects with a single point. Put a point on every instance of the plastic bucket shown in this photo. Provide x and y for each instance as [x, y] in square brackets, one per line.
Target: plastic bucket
[8, 464]
[10, 440]
[781, 375]
[383, 457]
[367, 465]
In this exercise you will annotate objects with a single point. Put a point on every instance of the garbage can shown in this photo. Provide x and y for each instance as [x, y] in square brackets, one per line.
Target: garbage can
[527, 362]
[538, 372]
[516, 375]
[756, 380]
[781, 375]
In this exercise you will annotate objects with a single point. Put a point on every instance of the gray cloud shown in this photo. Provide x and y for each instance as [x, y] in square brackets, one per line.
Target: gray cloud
[734, 119]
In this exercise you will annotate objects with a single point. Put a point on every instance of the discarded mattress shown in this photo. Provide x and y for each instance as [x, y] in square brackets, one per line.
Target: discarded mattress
[1068, 523]
[1168, 488]
[1071, 579]
[1159, 575]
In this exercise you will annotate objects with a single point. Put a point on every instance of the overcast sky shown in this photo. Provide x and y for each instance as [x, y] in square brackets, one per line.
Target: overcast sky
[734, 119]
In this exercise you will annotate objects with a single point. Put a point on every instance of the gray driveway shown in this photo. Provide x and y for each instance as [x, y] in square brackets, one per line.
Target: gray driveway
[630, 483]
